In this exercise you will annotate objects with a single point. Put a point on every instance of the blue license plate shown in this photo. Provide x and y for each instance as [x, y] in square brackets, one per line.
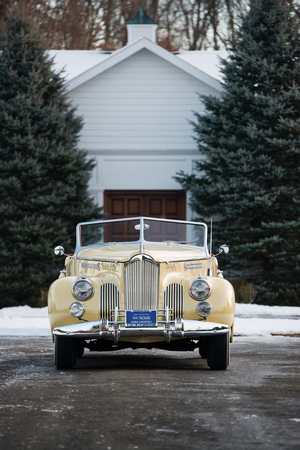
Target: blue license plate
[141, 318]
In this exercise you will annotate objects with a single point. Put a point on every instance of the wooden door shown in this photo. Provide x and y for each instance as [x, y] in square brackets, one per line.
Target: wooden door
[160, 204]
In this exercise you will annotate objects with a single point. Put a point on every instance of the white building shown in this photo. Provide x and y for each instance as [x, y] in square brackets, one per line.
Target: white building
[136, 105]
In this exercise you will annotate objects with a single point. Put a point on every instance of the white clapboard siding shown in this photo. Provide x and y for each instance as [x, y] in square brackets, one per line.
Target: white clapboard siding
[141, 104]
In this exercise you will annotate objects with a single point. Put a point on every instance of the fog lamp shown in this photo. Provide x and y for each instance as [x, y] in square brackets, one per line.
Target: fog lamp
[77, 309]
[203, 309]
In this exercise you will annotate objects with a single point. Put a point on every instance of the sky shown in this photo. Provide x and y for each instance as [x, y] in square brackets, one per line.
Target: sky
[250, 320]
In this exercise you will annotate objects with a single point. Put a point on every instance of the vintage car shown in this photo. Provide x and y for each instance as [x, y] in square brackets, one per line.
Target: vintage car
[141, 283]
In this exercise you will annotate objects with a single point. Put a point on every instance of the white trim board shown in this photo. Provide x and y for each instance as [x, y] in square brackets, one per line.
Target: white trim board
[135, 47]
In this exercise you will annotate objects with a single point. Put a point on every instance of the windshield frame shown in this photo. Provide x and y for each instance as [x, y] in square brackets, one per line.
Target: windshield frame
[141, 239]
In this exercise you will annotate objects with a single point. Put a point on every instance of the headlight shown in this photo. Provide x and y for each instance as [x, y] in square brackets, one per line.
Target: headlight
[82, 289]
[199, 289]
[77, 309]
[204, 309]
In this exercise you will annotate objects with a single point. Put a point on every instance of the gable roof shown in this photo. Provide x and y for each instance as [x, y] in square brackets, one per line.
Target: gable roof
[105, 61]
[205, 60]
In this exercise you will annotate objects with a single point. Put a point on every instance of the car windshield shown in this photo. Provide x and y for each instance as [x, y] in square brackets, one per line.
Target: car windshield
[141, 230]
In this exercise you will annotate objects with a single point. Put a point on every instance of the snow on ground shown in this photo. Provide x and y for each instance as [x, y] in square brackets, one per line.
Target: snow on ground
[24, 321]
[251, 310]
[261, 320]
[250, 320]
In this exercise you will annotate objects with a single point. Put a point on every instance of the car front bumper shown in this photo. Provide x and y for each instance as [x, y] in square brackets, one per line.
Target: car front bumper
[102, 329]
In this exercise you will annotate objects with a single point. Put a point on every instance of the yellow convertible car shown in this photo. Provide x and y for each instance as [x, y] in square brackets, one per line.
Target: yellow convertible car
[141, 283]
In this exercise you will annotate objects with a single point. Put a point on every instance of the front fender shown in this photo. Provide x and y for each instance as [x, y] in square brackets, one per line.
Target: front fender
[221, 298]
[60, 298]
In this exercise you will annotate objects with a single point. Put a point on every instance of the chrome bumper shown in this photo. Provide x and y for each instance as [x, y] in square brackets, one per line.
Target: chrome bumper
[104, 330]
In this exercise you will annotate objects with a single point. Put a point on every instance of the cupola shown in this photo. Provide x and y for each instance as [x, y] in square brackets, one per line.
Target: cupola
[141, 26]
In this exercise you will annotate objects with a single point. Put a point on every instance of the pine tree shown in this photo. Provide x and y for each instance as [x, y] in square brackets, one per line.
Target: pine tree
[43, 175]
[250, 137]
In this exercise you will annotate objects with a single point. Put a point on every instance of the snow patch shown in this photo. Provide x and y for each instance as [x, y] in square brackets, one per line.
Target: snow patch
[250, 320]
[252, 310]
[23, 311]
[24, 321]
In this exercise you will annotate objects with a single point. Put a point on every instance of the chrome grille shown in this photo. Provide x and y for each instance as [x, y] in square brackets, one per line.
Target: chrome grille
[141, 284]
[173, 298]
[109, 299]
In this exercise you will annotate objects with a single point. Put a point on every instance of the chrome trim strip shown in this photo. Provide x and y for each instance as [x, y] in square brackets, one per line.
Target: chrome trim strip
[185, 260]
[142, 218]
[79, 258]
[116, 261]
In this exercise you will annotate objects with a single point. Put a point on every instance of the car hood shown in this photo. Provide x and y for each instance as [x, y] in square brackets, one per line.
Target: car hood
[160, 252]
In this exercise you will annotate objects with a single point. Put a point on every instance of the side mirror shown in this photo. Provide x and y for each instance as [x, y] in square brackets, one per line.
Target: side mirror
[224, 249]
[59, 250]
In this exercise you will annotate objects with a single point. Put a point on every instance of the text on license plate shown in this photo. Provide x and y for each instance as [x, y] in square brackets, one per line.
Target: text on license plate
[141, 318]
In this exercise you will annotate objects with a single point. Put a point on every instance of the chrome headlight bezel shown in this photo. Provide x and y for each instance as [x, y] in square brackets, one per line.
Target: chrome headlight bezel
[203, 308]
[89, 289]
[206, 291]
[77, 309]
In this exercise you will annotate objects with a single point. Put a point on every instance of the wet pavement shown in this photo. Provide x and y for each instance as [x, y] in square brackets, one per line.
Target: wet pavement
[154, 399]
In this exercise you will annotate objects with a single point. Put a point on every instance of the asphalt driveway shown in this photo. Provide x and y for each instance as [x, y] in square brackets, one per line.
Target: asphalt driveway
[150, 399]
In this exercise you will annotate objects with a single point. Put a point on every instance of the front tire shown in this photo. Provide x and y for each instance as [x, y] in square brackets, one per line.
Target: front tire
[218, 355]
[203, 349]
[79, 349]
[64, 353]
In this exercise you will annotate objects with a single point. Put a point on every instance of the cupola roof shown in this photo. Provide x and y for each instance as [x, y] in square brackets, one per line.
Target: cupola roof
[141, 18]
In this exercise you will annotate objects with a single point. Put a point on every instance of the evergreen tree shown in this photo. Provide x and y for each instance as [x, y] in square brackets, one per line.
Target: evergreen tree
[250, 137]
[43, 175]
